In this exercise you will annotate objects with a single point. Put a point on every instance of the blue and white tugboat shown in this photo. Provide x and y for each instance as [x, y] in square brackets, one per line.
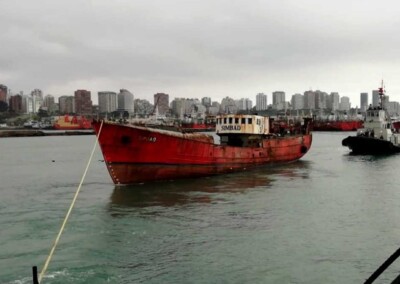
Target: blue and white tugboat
[378, 136]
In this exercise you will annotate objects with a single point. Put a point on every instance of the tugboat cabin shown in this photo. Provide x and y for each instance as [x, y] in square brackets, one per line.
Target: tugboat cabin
[377, 124]
[242, 130]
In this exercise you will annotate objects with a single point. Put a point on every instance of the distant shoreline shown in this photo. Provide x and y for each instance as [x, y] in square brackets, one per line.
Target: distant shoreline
[4, 133]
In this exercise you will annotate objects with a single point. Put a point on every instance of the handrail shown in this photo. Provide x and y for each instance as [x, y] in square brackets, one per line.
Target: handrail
[383, 267]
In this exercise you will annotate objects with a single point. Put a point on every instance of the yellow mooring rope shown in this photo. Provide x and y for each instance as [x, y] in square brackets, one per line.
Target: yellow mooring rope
[69, 210]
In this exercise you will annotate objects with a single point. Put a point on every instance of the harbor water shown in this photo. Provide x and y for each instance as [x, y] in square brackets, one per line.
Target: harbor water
[328, 218]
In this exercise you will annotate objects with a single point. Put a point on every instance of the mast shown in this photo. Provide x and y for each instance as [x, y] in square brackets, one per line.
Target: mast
[381, 92]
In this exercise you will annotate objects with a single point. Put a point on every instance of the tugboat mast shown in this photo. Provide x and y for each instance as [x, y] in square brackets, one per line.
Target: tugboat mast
[381, 92]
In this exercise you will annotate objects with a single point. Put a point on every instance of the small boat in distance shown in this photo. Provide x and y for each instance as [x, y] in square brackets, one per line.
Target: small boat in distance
[73, 122]
[137, 154]
[378, 136]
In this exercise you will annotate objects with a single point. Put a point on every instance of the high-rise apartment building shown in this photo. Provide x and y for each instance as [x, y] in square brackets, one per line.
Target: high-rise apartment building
[244, 104]
[206, 101]
[344, 104]
[48, 101]
[3, 93]
[215, 108]
[24, 103]
[36, 101]
[364, 102]
[193, 107]
[320, 100]
[240, 105]
[37, 93]
[385, 101]
[375, 98]
[66, 104]
[261, 101]
[83, 102]
[107, 102]
[297, 101]
[49, 104]
[278, 100]
[228, 105]
[393, 108]
[125, 101]
[178, 107]
[309, 100]
[161, 103]
[15, 104]
[248, 104]
[333, 101]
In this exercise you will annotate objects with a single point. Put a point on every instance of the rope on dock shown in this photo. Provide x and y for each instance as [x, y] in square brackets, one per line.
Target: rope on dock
[70, 208]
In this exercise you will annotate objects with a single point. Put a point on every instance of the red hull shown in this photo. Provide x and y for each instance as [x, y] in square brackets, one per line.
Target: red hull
[396, 125]
[135, 154]
[348, 125]
[72, 127]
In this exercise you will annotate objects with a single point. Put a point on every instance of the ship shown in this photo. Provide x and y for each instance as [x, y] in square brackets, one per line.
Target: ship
[74, 122]
[378, 136]
[136, 154]
[338, 125]
[199, 125]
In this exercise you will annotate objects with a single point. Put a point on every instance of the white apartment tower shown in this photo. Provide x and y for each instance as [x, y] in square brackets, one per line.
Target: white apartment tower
[309, 100]
[297, 101]
[37, 100]
[334, 101]
[344, 104]
[125, 101]
[261, 101]
[278, 100]
[178, 107]
[244, 104]
[107, 102]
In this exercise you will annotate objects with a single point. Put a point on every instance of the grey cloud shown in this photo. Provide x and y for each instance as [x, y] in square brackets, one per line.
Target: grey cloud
[193, 48]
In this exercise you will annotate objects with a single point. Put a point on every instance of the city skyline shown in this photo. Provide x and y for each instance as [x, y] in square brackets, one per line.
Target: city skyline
[81, 103]
[200, 48]
[270, 96]
[309, 100]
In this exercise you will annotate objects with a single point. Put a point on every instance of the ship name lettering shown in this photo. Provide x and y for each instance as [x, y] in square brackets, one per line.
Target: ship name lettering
[148, 138]
[231, 127]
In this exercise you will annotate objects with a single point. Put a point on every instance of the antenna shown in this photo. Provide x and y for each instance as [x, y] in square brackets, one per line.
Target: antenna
[381, 91]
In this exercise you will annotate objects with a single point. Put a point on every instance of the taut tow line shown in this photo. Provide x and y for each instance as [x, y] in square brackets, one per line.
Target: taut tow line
[34, 269]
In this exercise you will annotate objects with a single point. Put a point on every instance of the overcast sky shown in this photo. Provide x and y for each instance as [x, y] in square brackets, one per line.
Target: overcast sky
[214, 48]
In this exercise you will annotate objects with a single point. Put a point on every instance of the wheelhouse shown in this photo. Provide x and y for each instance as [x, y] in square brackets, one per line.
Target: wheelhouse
[242, 124]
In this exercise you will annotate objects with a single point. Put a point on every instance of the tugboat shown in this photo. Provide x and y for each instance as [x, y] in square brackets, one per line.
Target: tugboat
[378, 136]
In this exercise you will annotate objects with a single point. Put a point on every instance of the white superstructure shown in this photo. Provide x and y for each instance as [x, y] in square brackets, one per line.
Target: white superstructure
[242, 124]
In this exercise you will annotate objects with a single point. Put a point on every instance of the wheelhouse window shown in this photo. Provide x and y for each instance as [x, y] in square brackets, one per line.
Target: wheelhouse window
[236, 120]
[250, 120]
[230, 120]
[225, 120]
[243, 120]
